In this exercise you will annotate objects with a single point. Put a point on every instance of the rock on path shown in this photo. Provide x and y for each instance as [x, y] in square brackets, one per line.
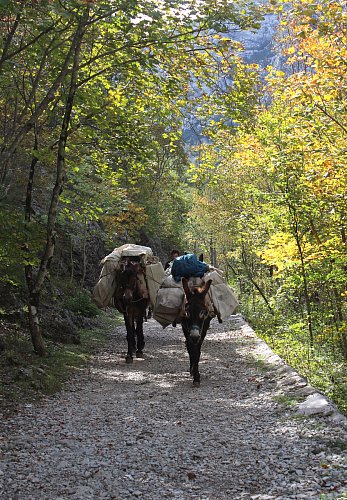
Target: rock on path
[142, 431]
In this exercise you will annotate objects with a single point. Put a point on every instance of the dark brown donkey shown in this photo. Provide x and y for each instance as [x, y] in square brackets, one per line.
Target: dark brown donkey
[131, 299]
[195, 324]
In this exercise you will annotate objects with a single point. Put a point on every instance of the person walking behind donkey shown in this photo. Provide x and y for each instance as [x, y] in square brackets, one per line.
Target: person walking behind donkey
[173, 255]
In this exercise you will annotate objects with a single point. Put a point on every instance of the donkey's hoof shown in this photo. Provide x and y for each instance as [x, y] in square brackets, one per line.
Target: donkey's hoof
[139, 354]
[128, 359]
[196, 384]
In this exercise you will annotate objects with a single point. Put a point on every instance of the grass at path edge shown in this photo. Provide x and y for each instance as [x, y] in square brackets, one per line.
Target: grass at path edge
[26, 377]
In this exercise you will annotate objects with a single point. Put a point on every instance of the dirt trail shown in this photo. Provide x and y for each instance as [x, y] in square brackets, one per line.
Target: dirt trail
[142, 431]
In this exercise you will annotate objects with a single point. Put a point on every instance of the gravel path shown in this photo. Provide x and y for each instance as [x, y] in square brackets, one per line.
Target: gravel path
[142, 431]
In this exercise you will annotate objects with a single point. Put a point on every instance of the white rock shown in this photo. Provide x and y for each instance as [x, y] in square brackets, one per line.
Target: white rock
[316, 404]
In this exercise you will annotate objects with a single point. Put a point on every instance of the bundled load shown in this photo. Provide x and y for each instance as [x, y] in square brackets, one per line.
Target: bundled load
[188, 266]
[169, 302]
[106, 287]
[169, 306]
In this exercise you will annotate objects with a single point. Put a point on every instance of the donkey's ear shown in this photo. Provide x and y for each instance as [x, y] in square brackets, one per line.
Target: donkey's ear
[205, 288]
[201, 257]
[185, 286]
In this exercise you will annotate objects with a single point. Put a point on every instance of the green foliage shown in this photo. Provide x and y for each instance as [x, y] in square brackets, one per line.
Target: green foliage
[13, 238]
[323, 365]
[272, 198]
[267, 196]
[285, 400]
[81, 303]
[136, 75]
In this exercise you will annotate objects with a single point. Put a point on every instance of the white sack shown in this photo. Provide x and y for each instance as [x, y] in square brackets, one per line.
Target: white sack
[221, 295]
[154, 277]
[221, 299]
[131, 250]
[127, 250]
[169, 282]
[168, 305]
[106, 286]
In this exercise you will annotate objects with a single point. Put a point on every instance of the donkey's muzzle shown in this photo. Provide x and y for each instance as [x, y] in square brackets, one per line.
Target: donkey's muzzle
[194, 335]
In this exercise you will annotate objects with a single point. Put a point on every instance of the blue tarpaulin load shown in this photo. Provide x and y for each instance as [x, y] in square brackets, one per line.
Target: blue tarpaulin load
[187, 266]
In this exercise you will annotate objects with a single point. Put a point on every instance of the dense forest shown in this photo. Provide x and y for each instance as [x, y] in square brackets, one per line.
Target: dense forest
[95, 96]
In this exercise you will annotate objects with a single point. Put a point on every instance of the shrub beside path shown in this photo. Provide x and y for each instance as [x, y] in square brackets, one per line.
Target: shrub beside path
[253, 430]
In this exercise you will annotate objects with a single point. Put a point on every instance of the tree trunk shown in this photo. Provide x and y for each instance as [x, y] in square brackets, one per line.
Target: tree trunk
[255, 284]
[35, 283]
[84, 272]
[33, 298]
[72, 272]
[34, 323]
[304, 276]
[213, 253]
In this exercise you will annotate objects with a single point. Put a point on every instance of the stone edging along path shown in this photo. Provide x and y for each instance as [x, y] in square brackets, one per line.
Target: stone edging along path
[253, 430]
[289, 382]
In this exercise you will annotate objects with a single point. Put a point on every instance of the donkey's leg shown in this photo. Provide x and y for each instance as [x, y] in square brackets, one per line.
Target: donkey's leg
[193, 345]
[196, 350]
[130, 337]
[189, 350]
[186, 335]
[193, 358]
[139, 335]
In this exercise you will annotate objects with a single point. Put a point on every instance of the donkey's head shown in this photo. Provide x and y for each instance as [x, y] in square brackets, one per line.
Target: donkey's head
[128, 279]
[197, 318]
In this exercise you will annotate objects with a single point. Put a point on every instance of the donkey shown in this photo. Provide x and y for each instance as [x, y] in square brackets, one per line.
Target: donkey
[131, 299]
[195, 323]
